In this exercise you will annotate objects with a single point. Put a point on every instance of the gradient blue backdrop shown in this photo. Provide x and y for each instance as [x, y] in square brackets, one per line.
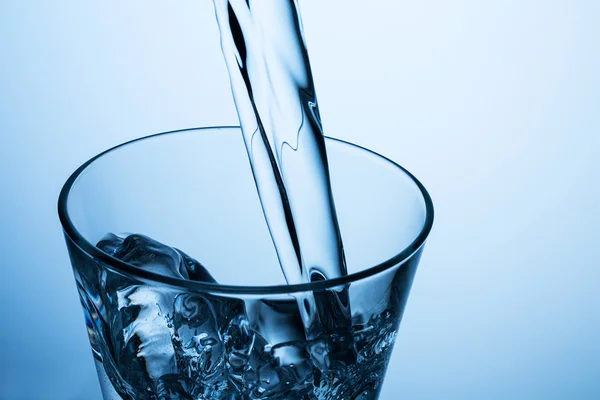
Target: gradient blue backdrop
[494, 105]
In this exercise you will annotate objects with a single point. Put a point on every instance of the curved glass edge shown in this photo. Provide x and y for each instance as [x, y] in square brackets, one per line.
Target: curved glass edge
[127, 269]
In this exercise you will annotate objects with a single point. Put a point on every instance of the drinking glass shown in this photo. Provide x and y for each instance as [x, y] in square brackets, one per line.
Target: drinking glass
[236, 331]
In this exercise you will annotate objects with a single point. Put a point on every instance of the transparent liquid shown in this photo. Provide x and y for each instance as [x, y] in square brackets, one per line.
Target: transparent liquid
[160, 343]
[273, 88]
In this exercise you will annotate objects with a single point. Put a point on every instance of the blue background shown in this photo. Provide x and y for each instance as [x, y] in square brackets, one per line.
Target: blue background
[494, 105]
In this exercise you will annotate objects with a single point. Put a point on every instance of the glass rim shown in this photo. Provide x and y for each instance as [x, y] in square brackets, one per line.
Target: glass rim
[127, 269]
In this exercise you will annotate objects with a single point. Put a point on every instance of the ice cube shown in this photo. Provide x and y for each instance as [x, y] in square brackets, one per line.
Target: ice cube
[265, 351]
[278, 321]
[198, 343]
[150, 255]
[149, 322]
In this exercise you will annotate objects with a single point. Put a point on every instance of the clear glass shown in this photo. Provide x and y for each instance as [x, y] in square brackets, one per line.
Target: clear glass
[240, 335]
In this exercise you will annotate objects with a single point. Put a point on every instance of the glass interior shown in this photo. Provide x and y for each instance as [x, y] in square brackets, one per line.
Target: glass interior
[194, 190]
